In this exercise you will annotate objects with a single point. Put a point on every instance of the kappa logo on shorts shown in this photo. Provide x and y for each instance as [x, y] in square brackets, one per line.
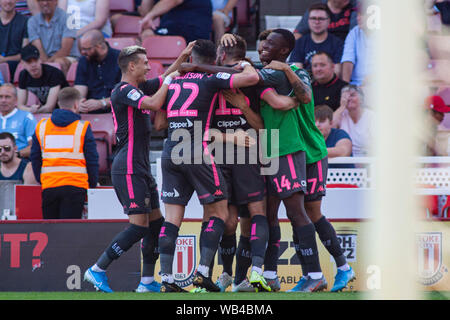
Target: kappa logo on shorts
[218, 193]
[133, 205]
[184, 260]
[429, 257]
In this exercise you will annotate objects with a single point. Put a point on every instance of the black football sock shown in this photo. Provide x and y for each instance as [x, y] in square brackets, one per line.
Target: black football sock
[150, 249]
[328, 236]
[227, 250]
[299, 253]
[243, 259]
[273, 248]
[201, 243]
[167, 244]
[210, 238]
[259, 236]
[308, 247]
[120, 244]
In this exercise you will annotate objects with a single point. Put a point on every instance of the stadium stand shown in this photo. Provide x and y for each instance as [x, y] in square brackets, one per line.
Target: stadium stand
[4, 69]
[71, 74]
[120, 43]
[127, 26]
[165, 49]
[104, 134]
[118, 6]
[157, 69]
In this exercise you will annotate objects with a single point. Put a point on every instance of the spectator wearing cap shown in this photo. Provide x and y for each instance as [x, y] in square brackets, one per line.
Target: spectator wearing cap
[14, 34]
[42, 80]
[97, 73]
[435, 108]
[20, 123]
[326, 84]
[319, 39]
[53, 33]
[356, 120]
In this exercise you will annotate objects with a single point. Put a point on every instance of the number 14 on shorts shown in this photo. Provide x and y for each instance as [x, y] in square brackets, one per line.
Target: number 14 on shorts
[285, 183]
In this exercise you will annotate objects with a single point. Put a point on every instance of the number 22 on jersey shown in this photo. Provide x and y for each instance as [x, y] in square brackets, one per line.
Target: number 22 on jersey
[183, 112]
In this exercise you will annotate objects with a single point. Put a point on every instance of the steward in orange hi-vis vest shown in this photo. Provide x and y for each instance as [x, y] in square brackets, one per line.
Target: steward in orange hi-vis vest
[63, 161]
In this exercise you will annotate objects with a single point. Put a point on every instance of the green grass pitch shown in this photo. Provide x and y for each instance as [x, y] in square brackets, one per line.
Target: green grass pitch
[199, 296]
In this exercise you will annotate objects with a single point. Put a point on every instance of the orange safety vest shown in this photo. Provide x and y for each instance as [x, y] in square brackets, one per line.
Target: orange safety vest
[63, 162]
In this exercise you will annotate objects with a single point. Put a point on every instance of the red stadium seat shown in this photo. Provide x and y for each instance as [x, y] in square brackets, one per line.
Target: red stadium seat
[120, 43]
[127, 26]
[32, 99]
[4, 69]
[430, 202]
[40, 116]
[20, 67]
[157, 69]
[71, 74]
[104, 133]
[165, 49]
[117, 6]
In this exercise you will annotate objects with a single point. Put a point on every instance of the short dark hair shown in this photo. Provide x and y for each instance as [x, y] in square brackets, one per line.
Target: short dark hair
[322, 112]
[129, 54]
[264, 34]
[204, 51]
[67, 97]
[287, 36]
[238, 50]
[323, 53]
[320, 6]
[7, 135]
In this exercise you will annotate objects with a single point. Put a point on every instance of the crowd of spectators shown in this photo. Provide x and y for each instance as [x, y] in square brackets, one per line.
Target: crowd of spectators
[47, 36]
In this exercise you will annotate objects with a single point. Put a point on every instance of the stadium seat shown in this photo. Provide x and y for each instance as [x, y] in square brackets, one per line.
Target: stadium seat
[165, 49]
[4, 69]
[72, 73]
[32, 99]
[104, 134]
[20, 67]
[438, 72]
[117, 6]
[434, 23]
[120, 43]
[40, 116]
[157, 69]
[127, 26]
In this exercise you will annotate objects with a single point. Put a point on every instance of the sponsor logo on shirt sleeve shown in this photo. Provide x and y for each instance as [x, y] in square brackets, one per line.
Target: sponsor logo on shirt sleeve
[134, 95]
[223, 75]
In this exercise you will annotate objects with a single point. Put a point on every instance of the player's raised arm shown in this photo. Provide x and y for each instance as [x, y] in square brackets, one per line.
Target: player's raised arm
[302, 90]
[238, 99]
[182, 58]
[156, 101]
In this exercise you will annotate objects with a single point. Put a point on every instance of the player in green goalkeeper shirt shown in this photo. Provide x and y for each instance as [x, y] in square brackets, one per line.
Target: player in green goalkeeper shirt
[298, 132]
